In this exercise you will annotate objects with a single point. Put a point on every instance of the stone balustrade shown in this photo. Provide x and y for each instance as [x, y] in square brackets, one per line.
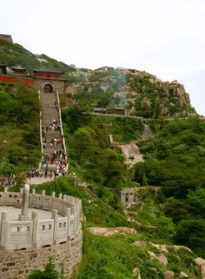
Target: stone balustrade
[35, 232]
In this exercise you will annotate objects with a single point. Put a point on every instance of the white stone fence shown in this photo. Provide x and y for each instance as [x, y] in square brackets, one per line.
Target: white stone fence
[35, 232]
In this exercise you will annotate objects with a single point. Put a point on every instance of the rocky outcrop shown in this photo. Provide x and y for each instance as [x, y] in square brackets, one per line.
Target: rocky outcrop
[183, 275]
[161, 258]
[200, 263]
[111, 231]
[169, 275]
[156, 98]
[136, 273]
[131, 153]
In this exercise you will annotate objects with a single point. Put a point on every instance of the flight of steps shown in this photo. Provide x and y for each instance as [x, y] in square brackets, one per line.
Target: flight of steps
[54, 156]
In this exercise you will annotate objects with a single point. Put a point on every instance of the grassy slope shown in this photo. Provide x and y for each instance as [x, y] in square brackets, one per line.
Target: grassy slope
[15, 54]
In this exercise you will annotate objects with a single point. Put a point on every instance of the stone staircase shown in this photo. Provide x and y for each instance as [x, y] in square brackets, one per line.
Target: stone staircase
[54, 156]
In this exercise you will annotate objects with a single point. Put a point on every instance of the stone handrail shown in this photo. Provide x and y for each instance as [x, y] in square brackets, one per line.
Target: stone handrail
[61, 126]
[41, 136]
[34, 232]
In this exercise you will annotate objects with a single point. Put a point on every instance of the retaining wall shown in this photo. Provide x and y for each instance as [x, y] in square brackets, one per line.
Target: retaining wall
[27, 244]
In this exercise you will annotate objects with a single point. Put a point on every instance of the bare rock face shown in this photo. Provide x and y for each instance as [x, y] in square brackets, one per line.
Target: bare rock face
[162, 259]
[168, 275]
[183, 275]
[140, 243]
[136, 273]
[111, 231]
[200, 263]
[132, 153]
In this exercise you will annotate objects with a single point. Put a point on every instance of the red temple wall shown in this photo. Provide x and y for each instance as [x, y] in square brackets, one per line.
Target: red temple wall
[9, 79]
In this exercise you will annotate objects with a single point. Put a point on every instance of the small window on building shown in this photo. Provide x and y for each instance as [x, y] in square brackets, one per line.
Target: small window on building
[49, 226]
[64, 224]
[10, 196]
[18, 229]
[43, 228]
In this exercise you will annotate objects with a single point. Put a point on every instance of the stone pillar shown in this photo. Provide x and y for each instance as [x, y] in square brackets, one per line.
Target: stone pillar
[4, 232]
[35, 242]
[55, 217]
[77, 215]
[123, 198]
[25, 203]
[130, 199]
[68, 214]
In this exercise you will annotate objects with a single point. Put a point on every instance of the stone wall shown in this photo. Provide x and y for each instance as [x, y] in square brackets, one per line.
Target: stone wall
[28, 244]
[24, 234]
[6, 38]
[18, 264]
[132, 196]
[58, 85]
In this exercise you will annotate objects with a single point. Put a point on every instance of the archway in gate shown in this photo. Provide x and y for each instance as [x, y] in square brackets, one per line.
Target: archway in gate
[48, 88]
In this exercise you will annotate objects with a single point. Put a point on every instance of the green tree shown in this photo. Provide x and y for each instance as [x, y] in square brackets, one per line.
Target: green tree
[191, 233]
[49, 272]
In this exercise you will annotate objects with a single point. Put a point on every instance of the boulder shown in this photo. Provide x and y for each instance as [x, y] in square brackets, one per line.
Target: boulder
[161, 247]
[200, 263]
[162, 259]
[136, 273]
[183, 275]
[140, 243]
[111, 231]
[168, 274]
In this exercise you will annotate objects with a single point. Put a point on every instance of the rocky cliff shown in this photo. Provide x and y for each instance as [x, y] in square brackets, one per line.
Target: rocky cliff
[141, 93]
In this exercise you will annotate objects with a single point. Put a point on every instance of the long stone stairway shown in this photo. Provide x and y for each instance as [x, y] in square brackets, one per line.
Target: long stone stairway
[54, 156]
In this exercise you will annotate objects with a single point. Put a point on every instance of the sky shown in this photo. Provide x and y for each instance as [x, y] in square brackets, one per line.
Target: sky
[163, 37]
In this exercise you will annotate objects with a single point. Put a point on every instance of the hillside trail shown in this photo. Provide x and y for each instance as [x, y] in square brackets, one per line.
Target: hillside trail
[54, 161]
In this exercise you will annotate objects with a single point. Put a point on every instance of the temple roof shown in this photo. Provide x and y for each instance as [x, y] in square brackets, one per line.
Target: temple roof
[48, 71]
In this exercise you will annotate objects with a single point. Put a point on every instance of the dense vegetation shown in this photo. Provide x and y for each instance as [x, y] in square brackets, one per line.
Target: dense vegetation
[49, 272]
[91, 152]
[175, 161]
[19, 129]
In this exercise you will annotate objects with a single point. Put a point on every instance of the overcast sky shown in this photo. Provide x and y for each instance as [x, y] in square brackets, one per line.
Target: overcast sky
[163, 37]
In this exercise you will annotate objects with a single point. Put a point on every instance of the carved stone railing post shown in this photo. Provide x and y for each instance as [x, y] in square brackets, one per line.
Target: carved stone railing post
[35, 243]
